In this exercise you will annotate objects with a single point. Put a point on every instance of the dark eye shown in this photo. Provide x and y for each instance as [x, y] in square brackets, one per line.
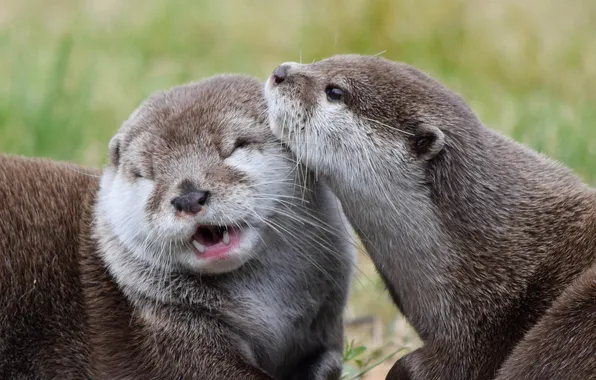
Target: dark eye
[241, 143]
[136, 173]
[334, 94]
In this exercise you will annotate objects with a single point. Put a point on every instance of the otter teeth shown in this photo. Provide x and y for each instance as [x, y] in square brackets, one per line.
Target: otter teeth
[200, 247]
[226, 237]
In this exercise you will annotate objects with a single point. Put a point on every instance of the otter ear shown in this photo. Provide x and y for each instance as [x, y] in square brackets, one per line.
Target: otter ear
[428, 141]
[114, 150]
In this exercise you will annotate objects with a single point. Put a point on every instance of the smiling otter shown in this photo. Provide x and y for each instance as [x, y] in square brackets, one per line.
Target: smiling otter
[203, 252]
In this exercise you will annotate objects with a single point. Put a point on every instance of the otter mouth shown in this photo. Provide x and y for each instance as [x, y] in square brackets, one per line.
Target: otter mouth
[215, 241]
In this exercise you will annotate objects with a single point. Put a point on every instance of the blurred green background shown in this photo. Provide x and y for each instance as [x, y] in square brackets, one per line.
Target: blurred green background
[71, 71]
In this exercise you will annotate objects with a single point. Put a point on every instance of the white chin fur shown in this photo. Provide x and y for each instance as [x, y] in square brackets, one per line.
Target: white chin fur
[279, 131]
[273, 109]
[123, 203]
[279, 108]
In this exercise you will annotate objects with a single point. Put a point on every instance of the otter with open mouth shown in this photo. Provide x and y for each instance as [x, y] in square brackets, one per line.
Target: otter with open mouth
[476, 236]
[203, 252]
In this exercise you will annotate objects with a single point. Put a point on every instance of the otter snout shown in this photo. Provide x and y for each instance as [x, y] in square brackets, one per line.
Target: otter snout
[191, 203]
[280, 73]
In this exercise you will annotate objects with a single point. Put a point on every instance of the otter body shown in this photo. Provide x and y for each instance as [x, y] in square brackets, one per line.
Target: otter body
[41, 303]
[562, 345]
[475, 235]
[202, 252]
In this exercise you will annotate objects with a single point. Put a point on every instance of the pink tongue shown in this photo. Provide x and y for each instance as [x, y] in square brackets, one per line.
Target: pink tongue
[208, 236]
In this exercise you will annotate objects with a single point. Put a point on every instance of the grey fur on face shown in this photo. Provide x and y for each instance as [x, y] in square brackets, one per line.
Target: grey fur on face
[474, 234]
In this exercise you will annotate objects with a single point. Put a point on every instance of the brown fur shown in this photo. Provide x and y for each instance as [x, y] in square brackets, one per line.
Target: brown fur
[562, 345]
[41, 306]
[49, 328]
[475, 235]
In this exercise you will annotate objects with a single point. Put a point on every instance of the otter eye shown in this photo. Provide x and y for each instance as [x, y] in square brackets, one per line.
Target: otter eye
[240, 143]
[136, 173]
[334, 94]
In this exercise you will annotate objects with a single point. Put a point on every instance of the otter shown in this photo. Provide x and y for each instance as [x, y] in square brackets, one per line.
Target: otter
[474, 234]
[202, 251]
[562, 345]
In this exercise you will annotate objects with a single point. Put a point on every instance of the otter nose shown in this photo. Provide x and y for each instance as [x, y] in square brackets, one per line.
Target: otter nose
[192, 202]
[280, 73]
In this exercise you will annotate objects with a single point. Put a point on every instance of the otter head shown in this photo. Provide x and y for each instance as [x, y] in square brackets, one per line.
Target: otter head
[355, 117]
[192, 176]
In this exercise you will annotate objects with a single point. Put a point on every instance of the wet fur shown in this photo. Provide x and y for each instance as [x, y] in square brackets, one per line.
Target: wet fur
[83, 301]
[475, 235]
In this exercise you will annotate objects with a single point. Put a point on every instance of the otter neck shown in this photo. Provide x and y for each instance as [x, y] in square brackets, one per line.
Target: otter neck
[489, 198]
[403, 237]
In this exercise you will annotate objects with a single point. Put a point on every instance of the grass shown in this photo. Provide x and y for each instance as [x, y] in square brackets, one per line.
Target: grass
[72, 71]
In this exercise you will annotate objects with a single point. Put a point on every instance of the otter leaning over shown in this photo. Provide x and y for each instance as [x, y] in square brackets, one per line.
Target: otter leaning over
[474, 234]
[204, 252]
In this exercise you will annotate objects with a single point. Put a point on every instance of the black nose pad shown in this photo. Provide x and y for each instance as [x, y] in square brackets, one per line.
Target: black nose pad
[192, 202]
[280, 73]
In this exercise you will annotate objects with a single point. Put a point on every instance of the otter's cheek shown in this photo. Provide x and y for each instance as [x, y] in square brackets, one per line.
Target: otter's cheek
[125, 203]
